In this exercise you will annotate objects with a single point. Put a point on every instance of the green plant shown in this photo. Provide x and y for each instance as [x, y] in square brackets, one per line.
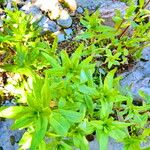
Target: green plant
[61, 100]
[117, 44]
[22, 43]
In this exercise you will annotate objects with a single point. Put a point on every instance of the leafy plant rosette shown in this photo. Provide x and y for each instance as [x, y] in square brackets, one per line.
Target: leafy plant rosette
[61, 100]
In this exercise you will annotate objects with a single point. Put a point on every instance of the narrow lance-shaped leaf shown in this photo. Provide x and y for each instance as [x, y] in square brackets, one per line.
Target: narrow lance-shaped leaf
[108, 82]
[53, 62]
[89, 103]
[102, 139]
[141, 3]
[12, 112]
[40, 131]
[80, 142]
[77, 55]
[23, 122]
[46, 93]
[66, 62]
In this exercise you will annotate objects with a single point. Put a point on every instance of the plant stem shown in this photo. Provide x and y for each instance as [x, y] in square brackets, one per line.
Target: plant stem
[124, 31]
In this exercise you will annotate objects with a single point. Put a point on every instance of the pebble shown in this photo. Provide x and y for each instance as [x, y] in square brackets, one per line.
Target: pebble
[51, 6]
[64, 20]
[68, 31]
[61, 37]
[35, 11]
[48, 25]
[80, 10]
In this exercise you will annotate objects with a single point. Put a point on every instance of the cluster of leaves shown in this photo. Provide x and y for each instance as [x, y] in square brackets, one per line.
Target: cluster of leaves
[126, 38]
[22, 44]
[61, 102]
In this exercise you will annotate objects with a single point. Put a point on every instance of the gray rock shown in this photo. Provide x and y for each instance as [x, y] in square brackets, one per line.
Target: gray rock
[90, 4]
[5, 135]
[139, 77]
[48, 25]
[68, 31]
[9, 103]
[80, 10]
[64, 20]
[61, 37]
[35, 11]
[146, 53]
[113, 145]
[108, 8]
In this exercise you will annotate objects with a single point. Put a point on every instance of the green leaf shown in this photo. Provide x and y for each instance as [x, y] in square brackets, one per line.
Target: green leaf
[84, 36]
[59, 123]
[42, 146]
[23, 122]
[54, 45]
[66, 62]
[64, 146]
[141, 3]
[87, 90]
[77, 55]
[102, 139]
[108, 82]
[71, 116]
[16, 69]
[45, 92]
[80, 142]
[25, 141]
[83, 76]
[118, 134]
[132, 147]
[132, 143]
[106, 109]
[89, 104]
[53, 62]
[59, 71]
[145, 96]
[12, 112]
[147, 148]
[40, 131]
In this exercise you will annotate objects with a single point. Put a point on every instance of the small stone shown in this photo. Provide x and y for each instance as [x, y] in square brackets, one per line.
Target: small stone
[50, 6]
[35, 11]
[80, 10]
[48, 25]
[61, 37]
[8, 6]
[64, 20]
[68, 31]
